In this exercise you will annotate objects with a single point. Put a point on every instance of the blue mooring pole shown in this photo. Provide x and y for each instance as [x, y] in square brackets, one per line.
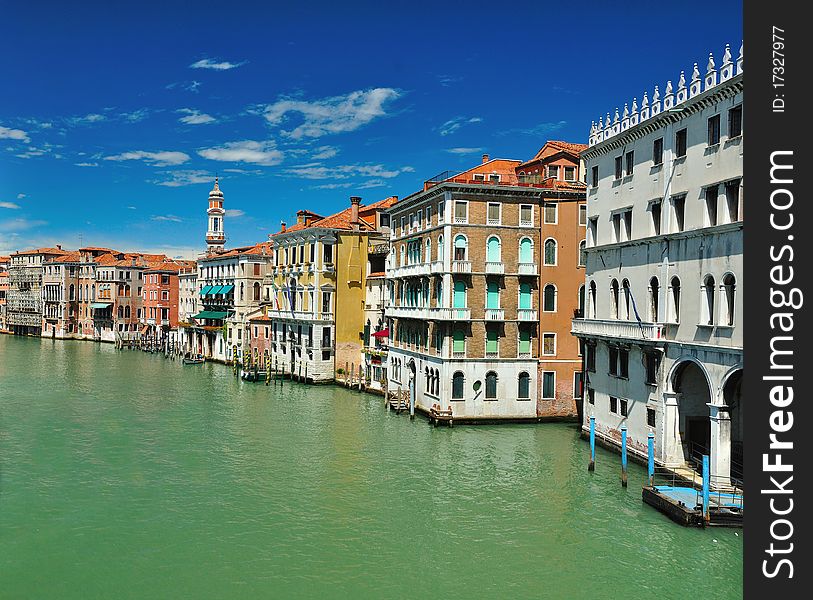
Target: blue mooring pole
[592, 465]
[623, 456]
[706, 482]
[650, 439]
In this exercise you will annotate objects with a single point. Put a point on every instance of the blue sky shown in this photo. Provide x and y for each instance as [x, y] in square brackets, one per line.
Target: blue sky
[114, 120]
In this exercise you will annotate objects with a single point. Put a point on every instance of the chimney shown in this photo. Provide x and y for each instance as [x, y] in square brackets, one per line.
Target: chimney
[300, 218]
[59, 246]
[282, 226]
[354, 212]
[485, 158]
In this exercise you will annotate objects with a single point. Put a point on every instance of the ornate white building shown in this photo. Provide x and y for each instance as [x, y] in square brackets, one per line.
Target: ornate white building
[662, 334]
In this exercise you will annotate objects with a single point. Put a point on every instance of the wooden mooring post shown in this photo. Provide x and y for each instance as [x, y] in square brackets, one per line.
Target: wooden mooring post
[592, 466]
[650, 463]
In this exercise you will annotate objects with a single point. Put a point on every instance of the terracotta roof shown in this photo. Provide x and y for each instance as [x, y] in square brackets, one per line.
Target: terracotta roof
[68, 257]
[377, 274]
[55, 251]
[341, 220]
[568, 146]
[261, 318]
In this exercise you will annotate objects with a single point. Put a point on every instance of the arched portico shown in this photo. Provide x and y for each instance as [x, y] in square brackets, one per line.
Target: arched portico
[731, 392]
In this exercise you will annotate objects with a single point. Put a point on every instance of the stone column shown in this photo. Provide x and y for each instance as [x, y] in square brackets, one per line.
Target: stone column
[720, 459]
[672, 445]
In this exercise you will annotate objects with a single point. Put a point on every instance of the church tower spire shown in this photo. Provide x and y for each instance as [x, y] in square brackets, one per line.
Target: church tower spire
[215, 236]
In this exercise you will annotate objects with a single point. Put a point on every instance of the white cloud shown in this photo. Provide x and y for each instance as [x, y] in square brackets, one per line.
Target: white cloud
[184, 177]
[189, 86]
[336, 114]
[235, 212]
[159, 159]
[13, 134]
[87, 119]
[248, 151]
[373, 183]
[464, 150]
[207, 63]
[323, 152]
[453, 125]
[312, 171]
[136, 115]
[86, 164]
[20, 196]
[195, 117]
[171, 218]
[333, 186]
[14, 225]
[538, 131]
[9, 205]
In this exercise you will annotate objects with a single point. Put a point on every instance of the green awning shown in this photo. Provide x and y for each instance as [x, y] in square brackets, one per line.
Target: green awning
[95, 305]
[215, 290]
[210, 314]
[226, 289]
[205, 290]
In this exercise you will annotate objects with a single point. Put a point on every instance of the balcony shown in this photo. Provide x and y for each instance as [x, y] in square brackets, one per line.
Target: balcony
[299, 315]
[612, 329]
[526, 268]
[461, 266]
[495, 314]
[495, 267]
[424, 268]
[427, 313]
[525, 314]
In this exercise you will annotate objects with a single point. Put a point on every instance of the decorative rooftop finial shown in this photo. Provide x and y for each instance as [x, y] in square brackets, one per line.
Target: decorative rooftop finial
[668, 87]
[710, 67]
[682, 80]
[695, 73]
[727, 55]
[617, 116]
[626, 111]
[645, 100]
[634, 105]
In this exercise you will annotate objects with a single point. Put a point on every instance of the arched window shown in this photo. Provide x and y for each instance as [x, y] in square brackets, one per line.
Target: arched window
[549, 298]
[120, 312]
[674, 300]
[524, 386]
[627, 296]
[654, 298]
[428, 255]
[581, 301]
[459, 294]
[493, 249]
[126, 312]
[256, 291]
[460, 248]
[491, 385]
[550, 251]
[707, 317]
[492, 294]
[242, 290]
[729, 285]
[458, 381]
[72, 292]
[614, 299]
[582, 253]
[403, 256]
[525, 295]
[592, 300]
[440, 247]
[526, 251]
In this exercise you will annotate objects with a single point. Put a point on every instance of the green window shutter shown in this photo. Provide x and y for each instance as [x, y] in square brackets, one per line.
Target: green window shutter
[525, 254]
[459, 344]
[493, 295]
[525, 295]
[491, 340]
[524, 340]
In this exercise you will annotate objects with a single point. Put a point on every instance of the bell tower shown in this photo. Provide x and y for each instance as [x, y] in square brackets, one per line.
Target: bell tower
[215, 236]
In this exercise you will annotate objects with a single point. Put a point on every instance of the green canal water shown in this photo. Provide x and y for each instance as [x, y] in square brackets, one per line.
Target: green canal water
[127, 475]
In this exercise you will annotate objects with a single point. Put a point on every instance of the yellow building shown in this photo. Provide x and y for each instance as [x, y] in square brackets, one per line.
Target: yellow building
[312, 319]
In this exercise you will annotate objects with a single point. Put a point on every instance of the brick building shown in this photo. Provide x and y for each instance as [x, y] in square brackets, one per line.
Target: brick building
[466, 275]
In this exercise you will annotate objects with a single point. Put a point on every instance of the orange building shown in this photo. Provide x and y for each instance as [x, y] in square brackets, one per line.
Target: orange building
[557, 170]
[159, 297]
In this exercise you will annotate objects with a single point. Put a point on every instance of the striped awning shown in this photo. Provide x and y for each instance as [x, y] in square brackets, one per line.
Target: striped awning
[205, 291]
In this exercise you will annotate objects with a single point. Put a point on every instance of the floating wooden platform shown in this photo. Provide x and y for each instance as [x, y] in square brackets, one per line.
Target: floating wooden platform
[682, 506]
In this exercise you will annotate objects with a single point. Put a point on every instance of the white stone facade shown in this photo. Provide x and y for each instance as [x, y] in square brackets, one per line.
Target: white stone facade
[663, 315]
